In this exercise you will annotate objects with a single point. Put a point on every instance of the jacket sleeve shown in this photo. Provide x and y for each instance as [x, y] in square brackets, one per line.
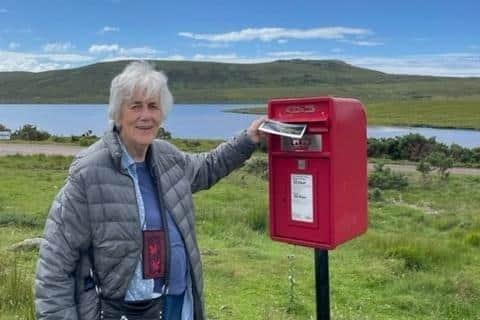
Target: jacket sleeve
[205, 169]
[67, 231]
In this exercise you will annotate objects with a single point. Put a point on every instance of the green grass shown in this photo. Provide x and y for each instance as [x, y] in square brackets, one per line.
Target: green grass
[437, 112]
[29, 183]
[445, 113]
[420, 258]
[190, 145]
[16, 282]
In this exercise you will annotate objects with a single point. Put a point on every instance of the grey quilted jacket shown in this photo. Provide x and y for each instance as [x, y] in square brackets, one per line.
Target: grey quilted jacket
[97, 209]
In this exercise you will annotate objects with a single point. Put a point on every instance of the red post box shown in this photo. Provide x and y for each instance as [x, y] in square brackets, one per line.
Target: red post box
[318, 184]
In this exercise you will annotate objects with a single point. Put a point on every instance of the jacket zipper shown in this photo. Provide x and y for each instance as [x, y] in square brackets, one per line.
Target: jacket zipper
[139, 227]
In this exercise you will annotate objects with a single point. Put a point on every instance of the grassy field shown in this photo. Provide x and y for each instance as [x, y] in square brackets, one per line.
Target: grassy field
[445, 113]
[439, 112]
[420, 258]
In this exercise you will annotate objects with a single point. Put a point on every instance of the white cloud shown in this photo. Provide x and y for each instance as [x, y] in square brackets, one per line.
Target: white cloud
[367, 43]
[282, 41]
[174, 57]
[111, 49]
[103, 48]
[58, 47]
[269, 34]
[73, 58]
[215, 57]
[138, 51]
[107, 29]
[212, 45]
[13, 45]
[450, 64]
[18, 61]
[3, 10]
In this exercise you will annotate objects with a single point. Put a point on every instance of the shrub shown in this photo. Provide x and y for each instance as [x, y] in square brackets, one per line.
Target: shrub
[385, 178]
[193, 143]
[476, 155]
[417, 254]
[424, 168]
[376, 148]
[86, 141]
[258, 167]
[256, 217]
[473, 239]
[59, 139]
[414, 146]
[375, 194]
[460, 154]
[17, 294]
[414, 258]
[30, 132]
[392, 149]
[21, 219]
[164, 134]
[442, 162]
[189, 145]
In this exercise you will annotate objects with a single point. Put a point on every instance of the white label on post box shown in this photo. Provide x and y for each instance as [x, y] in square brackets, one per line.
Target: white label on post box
[302, 197]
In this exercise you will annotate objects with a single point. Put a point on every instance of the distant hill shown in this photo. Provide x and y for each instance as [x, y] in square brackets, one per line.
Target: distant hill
[209, 82]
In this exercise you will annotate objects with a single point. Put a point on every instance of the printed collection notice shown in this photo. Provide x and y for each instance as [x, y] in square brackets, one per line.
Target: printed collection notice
[302, 197]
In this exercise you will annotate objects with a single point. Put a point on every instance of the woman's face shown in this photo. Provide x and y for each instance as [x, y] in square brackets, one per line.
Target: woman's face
[140, 120]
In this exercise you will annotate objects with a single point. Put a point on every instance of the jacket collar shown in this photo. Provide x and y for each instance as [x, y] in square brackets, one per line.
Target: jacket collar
[114, 145]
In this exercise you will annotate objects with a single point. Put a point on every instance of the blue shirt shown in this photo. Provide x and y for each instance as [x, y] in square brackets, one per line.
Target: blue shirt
[153, 221]
[139, 288]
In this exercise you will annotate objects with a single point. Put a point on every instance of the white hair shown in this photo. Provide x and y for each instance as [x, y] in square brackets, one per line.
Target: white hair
[138, 75]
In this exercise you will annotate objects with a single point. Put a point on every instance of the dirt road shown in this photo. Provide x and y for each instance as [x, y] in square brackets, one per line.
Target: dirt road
[26, 149]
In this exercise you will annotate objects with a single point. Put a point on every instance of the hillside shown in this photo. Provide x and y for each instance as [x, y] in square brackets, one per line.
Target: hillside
[201, 82]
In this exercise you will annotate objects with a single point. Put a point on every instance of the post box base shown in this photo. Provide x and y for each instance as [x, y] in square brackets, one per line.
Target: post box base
[323, 246]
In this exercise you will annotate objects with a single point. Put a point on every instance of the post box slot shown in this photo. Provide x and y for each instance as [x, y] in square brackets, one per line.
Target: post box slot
[308, 143]
[305, 154]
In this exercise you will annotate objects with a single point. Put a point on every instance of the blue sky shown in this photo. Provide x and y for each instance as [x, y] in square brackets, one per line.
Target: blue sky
[405, 37]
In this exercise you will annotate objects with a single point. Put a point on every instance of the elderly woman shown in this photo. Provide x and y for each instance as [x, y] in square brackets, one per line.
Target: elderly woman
[120, 237]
